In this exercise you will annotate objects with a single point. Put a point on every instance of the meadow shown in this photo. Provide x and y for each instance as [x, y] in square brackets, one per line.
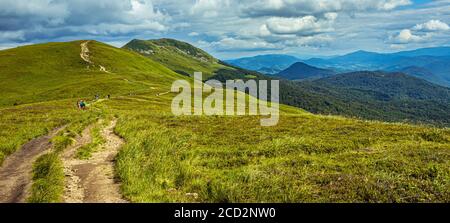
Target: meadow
[305, 158]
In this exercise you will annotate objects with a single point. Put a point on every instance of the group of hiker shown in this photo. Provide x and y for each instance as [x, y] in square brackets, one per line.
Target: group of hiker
[81, 104]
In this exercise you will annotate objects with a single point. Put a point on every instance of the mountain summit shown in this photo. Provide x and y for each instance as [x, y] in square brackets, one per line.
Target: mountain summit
[302, 71]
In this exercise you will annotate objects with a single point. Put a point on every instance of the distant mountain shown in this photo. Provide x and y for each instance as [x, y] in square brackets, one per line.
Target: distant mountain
[360, 60]
[302, 71]
[267, 64]
[435, 51]
[435, 60]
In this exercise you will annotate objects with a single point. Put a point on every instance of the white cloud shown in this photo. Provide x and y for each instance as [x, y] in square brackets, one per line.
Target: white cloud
[317, 41]
[208, 8]
[291, 8]
[304, 26]
[193, 34]
[233, 44]
[392, 4]
[12, 35]
[432, 25]
[420, 32]
[406, 36]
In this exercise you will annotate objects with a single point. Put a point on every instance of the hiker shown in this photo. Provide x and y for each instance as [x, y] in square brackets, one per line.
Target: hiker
[82, 105]
[109, 96]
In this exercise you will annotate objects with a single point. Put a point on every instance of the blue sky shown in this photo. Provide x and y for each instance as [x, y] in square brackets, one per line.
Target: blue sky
[232, 28]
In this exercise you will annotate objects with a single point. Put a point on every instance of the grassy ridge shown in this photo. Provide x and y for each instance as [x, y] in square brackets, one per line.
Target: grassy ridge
[179, 56]
[55, 71]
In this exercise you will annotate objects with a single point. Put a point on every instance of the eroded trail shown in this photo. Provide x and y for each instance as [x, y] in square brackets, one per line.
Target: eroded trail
[16, 172]
[92, 180]
[85, 55]
[85, 52]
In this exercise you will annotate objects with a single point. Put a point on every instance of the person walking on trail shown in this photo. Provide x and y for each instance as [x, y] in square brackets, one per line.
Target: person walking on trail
[82, 105]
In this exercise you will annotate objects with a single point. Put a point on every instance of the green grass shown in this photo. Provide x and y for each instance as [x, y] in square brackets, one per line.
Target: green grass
[21, 124]
[48, 180]
[85, 152]
[306, 158]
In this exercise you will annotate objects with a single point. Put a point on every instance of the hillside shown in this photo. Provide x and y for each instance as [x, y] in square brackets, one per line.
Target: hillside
[167, 158]
[56, 70]
[302, 71]
[179, 56]
[266, 64]
[386, 96]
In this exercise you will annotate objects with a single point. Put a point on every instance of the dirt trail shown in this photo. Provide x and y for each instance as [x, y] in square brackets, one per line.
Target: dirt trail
[85, 52]
[85, 56]
[92, 181]
[15, 174]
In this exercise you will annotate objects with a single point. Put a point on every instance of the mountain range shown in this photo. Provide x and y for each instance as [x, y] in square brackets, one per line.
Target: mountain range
[266, 64]
[431, 64]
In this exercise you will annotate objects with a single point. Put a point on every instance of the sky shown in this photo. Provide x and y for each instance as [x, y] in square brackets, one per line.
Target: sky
[234, 28]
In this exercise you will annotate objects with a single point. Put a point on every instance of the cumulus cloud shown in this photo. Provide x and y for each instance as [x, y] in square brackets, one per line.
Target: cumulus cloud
[304, 26]
[406, 36]
[432, 25]
[420, 32]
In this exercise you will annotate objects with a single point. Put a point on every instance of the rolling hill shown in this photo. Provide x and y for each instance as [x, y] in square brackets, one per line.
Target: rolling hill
[386, 96]
[55, 71]
[167, 158]
[302, 71]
